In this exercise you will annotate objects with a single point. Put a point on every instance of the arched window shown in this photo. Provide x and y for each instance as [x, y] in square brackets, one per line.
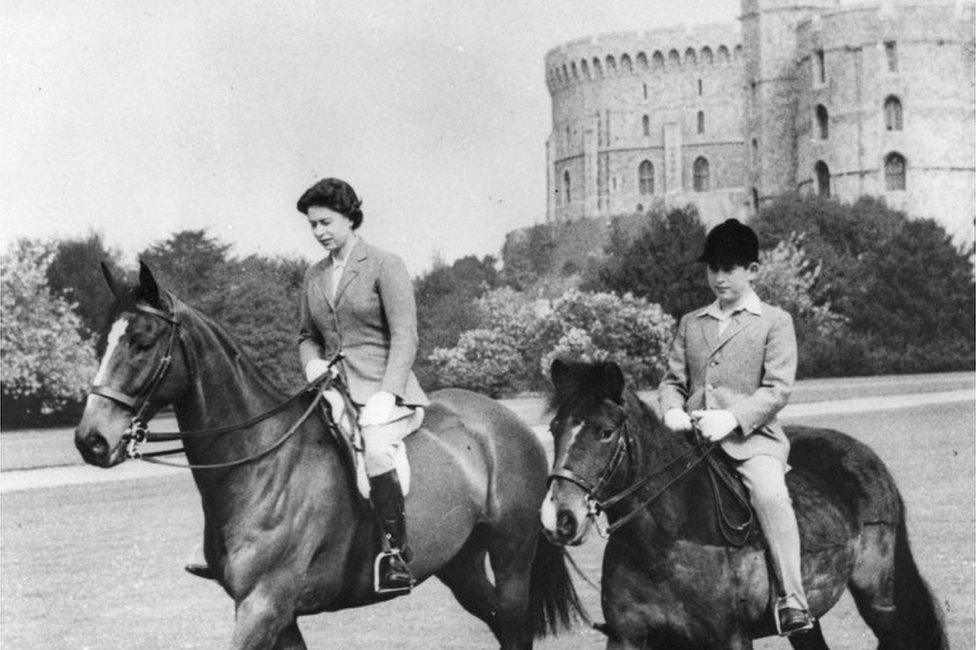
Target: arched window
[723, 54]
[626, 64]
[585, 67]
[565, 74]
[892, 109]
[819, 67]
[691, 57]
[701, 121]
[894, 171]
[611, 64]
[822, 122]
[567, 196]
[706, 55]
[657, 61]
[737, 52]
[645, 176]
[891, 56]
[700, 175]
[597, 67]
[755, 199]
[674, 59]
[699, 87]
[573, 68]
[823, 178]
[646, 123]
[642, 61]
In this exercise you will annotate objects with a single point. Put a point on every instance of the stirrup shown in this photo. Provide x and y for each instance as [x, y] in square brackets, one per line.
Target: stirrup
[781, 604]
[383, 559]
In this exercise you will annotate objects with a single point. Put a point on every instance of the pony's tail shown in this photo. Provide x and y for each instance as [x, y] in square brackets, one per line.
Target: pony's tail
[918, 618]
[554, 605]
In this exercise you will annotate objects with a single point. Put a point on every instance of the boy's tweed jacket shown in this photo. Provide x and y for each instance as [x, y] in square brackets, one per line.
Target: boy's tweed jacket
[748, 370]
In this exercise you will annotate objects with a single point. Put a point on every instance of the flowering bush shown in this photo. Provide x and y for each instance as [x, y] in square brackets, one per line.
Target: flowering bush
[517, 340]
[47, 366]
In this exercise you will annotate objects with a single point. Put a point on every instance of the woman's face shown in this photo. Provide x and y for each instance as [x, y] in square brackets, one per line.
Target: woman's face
[331, 228]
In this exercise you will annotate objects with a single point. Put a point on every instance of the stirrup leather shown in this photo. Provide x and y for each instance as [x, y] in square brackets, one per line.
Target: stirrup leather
[380, 564]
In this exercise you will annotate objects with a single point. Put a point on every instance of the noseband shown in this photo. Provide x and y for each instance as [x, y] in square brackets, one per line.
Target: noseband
[596, 502]
[139, 403]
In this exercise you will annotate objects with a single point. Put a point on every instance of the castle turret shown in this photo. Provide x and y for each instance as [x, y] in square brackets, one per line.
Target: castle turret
[770, 90]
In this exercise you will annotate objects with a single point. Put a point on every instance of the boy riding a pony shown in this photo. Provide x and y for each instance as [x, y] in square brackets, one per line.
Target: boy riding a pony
[730, 371]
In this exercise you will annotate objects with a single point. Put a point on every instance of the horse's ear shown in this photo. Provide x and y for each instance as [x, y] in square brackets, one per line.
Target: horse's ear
[112, 285]
[148, 289]
[557, 371]
[613, 379]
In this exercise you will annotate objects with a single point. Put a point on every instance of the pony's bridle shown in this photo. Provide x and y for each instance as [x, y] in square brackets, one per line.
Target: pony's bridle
[597, 503]
[136, 432]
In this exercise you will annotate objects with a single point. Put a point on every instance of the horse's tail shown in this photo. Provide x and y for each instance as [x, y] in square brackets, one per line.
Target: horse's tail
[918, 618]
[554, 605]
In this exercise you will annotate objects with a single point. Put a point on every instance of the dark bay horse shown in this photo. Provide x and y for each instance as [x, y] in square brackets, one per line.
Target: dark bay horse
[287, 533]
[670, 579]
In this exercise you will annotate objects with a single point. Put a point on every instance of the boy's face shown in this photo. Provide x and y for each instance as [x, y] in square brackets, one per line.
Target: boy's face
[730, 283]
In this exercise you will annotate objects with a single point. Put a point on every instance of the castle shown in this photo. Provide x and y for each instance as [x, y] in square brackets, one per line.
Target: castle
[843, 100]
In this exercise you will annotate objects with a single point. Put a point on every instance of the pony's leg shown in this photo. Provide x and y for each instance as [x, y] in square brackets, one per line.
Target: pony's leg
[259, 620]
[812, 639]
[872, 583]
[511, 562]
[290, 638]
[465, 576]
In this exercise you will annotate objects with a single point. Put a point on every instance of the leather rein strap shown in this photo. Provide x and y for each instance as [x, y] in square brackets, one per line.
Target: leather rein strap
[731, 532]
[137, 432]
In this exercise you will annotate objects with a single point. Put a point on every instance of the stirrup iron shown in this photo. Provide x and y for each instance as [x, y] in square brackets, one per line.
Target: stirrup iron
[383, 559]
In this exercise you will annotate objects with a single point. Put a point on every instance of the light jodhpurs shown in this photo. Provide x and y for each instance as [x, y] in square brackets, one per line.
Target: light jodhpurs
[381, 440]
[765, 478]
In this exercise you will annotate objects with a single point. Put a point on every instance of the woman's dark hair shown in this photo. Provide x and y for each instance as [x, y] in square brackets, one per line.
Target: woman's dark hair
[335, 194]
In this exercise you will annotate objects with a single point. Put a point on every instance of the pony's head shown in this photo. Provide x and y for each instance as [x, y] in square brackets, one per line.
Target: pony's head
[142, 368]
[589, 444]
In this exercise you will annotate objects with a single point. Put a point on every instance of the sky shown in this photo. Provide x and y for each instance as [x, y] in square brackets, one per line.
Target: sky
[139, 119]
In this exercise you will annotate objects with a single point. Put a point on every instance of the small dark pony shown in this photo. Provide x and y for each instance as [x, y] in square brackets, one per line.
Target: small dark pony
[285, 529]
[670, 577]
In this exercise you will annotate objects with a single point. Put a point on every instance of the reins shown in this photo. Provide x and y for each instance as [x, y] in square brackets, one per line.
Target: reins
[138, 432]
[692, 458]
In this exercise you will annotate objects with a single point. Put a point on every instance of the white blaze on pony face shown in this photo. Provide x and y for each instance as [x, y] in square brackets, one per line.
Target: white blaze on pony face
[548, 511]
[112, 342]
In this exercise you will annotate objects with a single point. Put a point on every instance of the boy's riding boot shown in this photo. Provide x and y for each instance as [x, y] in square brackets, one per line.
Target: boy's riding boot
[387, 498]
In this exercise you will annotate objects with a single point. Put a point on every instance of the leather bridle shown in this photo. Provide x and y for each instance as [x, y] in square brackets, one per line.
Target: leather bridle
[597, 502]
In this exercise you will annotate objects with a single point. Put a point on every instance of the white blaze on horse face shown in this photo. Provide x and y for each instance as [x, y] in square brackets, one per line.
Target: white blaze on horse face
[548, 511]
[114, 336]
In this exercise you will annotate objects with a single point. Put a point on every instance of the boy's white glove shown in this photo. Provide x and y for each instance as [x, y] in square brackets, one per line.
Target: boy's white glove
[715, 424]
[677, 420]
[315, 369]
[378, 409]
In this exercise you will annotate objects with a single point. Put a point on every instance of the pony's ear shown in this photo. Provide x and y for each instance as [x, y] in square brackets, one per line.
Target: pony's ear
[613, 379]
[148, 289]
[557, 371]
[112, 285]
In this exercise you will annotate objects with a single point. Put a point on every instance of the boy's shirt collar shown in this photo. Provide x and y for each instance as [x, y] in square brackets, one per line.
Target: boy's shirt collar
[749, 302]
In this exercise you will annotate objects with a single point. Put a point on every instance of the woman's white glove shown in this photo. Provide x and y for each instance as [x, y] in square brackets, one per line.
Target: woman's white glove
[677, 420]
[315, 369]
[378, 409]
[715, 424]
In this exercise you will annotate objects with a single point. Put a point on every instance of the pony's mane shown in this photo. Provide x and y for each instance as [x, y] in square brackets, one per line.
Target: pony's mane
[581, 388]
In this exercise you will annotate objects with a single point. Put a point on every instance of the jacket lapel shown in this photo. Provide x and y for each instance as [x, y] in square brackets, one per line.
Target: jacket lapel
[352, 270]
[740, 321]
[323, 285]
[709, 331]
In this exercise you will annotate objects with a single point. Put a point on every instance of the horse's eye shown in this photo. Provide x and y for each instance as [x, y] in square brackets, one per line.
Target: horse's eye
[607, 432]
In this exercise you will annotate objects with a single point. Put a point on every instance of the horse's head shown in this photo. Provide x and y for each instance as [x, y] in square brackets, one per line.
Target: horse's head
[589, 437]
[141, 369]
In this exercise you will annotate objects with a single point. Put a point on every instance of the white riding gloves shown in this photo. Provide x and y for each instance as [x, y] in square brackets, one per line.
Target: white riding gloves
[316, 368]
[677, 420]
[715, 424]
[378, 409]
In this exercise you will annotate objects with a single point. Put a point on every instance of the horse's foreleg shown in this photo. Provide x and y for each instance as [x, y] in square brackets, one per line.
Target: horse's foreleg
[260, 619]
[290, 638]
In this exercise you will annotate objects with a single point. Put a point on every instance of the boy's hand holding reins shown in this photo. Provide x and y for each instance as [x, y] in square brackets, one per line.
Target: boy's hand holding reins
[677, 420]
[715, 424]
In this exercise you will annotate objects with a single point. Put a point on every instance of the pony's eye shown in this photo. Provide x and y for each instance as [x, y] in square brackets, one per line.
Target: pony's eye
[607, 432]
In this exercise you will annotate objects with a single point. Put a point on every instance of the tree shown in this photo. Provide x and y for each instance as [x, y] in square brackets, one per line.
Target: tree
[661, 264]
[47, 365]
[187, 262]
[75, 275]
[527, 256]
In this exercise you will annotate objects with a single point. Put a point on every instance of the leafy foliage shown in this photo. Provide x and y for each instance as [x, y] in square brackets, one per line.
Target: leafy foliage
[46, 363]
[517, 338]
[187, 263]
[75, 274]
[660, 264]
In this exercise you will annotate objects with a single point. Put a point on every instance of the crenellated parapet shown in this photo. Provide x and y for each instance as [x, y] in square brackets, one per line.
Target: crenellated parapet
[666, 51]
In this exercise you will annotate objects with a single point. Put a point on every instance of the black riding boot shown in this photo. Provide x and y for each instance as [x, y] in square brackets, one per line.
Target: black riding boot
[387, 498]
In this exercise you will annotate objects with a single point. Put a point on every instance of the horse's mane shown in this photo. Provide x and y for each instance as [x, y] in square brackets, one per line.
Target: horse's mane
[583, 386]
